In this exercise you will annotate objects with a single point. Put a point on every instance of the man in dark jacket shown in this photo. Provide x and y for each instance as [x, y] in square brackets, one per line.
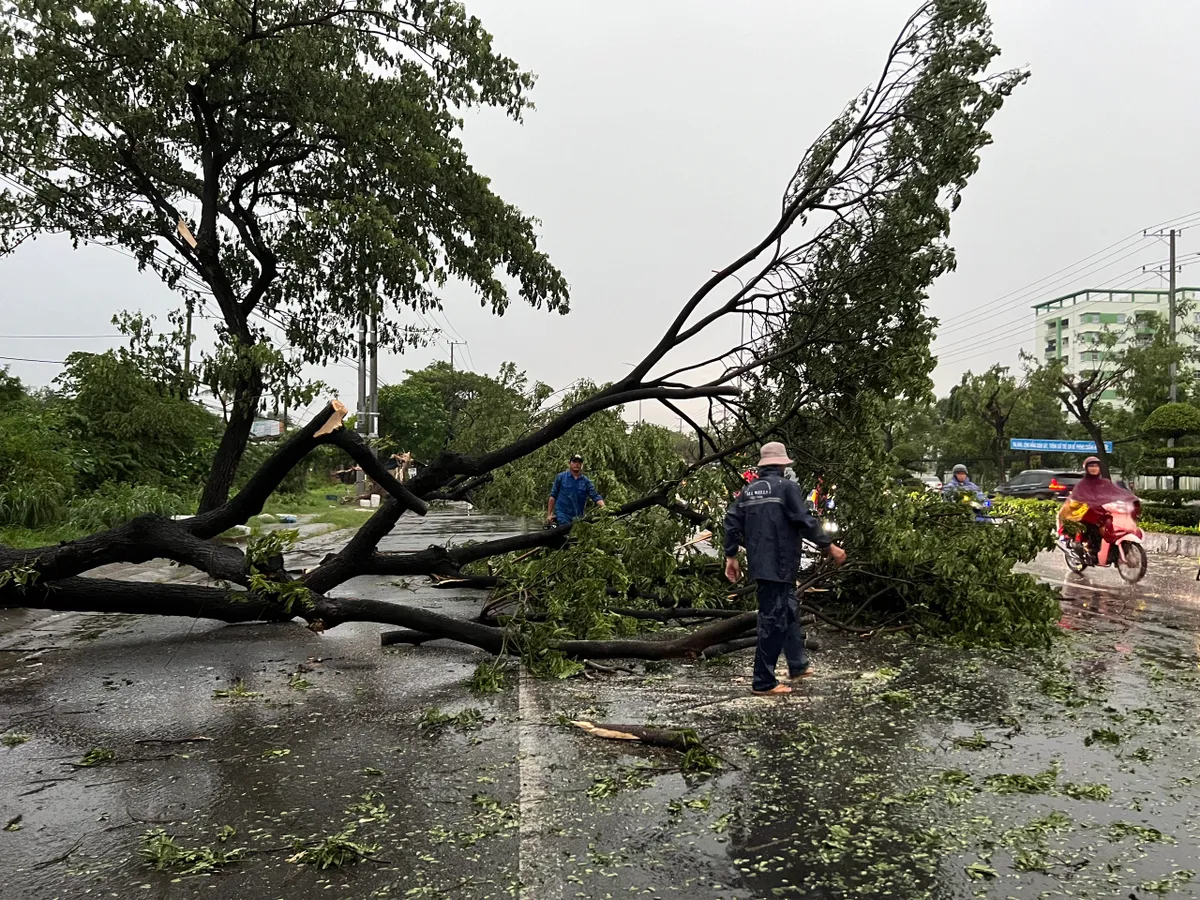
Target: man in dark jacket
[769, 519]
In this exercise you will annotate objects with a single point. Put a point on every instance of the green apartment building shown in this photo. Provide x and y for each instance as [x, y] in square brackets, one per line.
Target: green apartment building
[1070, 327]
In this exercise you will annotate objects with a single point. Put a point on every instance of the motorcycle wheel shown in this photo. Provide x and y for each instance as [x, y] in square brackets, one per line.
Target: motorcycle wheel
[1076, 562]
[1131, 562]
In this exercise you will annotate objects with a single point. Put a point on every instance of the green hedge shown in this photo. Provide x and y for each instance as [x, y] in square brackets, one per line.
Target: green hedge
[1172, 515]
[1000, 506]
[1165, 519]
[1160, 528]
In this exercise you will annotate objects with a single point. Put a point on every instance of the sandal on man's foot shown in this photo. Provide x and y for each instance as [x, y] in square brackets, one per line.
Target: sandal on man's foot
[807, 673]
[778, 689]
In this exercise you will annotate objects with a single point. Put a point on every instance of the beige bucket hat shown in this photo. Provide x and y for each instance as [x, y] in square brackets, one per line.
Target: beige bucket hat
[773, 454]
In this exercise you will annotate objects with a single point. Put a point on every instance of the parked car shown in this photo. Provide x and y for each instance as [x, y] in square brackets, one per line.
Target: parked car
[1039, 484]
[931, 482]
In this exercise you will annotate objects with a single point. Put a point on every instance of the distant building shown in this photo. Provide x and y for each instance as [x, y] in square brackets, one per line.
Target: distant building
[1069, 327]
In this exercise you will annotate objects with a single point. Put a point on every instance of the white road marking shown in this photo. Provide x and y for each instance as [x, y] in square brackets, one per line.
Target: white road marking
[539, 868]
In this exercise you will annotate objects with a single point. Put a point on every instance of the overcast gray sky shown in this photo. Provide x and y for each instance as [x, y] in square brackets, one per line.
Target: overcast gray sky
[666, 129]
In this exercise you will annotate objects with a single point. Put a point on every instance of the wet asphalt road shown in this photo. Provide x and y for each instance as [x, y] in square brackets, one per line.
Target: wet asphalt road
[884, 775]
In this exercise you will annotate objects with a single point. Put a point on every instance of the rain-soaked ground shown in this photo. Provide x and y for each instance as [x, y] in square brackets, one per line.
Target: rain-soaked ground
[240, 758]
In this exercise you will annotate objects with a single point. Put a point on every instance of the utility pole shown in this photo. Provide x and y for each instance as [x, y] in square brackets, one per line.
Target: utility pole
[187, 351]
[1171, 312]
[373, 397]
[360, 423]
[1170, 235]
[453, 389]
[1173, 368]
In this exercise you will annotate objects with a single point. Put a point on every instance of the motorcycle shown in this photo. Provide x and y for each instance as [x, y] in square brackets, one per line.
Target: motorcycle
[1120, 543]
[981, 506]
[983, 515]
[820, 509]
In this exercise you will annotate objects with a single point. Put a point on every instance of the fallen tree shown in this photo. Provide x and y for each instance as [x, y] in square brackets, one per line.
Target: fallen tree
[834, 295]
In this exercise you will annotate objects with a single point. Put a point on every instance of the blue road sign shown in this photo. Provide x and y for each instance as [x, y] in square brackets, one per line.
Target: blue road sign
[1037, 444]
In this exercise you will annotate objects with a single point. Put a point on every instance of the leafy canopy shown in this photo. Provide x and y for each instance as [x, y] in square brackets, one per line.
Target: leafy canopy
[437, 409]
[125, 426]
[311, 147]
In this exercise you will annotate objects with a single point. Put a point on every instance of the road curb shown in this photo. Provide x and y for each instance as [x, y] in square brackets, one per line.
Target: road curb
[1173, 544]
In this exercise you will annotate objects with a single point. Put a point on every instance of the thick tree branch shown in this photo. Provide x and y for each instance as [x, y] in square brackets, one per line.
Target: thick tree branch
[142, 539]
[325, 427]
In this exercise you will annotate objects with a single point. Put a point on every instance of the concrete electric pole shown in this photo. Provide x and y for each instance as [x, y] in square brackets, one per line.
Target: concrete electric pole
[373, 395]
[1173, 368]
[1171, 313]
[360, 421]
[187, 351]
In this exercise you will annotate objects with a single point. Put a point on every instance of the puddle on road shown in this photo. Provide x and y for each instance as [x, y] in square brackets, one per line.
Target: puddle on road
[911, 770]
[903, 769]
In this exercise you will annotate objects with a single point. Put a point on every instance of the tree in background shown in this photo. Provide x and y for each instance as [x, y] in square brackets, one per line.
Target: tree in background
[436, 409]
[298, 164]
[624, 462]
[909, 429]
[125, 426]
[984, 412]
[1129, 382]
[35, 453]
[1145, 364]
[1145, 386]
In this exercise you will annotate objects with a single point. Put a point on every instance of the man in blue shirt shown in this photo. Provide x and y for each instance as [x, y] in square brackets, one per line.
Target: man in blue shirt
[570, 493]
[769, 519]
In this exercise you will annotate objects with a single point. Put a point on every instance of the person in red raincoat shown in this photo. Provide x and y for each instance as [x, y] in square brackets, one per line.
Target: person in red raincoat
[1094, 490]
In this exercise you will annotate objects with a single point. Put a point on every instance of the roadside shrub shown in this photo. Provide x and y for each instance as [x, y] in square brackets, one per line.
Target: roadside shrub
[114, 503]
[1182, 516]
[1173, 420]
[1047, 510]
[35, 503]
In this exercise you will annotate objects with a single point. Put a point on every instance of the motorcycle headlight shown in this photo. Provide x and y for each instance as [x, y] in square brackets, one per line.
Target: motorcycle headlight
[831, 526]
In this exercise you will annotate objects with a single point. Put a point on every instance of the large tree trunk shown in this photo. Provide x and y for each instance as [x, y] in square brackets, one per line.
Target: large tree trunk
[233, 443]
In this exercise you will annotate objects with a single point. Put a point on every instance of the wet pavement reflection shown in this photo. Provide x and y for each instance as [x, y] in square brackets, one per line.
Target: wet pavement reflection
[249, 754]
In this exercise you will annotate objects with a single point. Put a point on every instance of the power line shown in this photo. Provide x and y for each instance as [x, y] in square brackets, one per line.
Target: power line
[1074, 275]
[56, 337]
[435, 312]
[1067, 272]
[974, 340]
[190, 279]
[986, 347]
[449, 324]
[50, 362]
